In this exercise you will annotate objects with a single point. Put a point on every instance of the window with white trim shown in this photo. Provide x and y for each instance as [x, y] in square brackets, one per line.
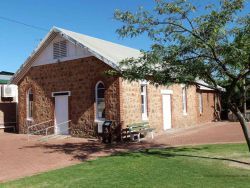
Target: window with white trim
[200, 103]
[60, 49]
[144, 107]
[100, 101]
[184, 100]
[30, 104]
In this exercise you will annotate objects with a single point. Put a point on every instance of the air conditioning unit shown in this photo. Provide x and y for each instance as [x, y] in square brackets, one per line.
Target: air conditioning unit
[9, 90]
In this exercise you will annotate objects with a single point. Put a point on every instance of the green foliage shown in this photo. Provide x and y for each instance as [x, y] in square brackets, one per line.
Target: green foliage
[213, 45]
[200, 166]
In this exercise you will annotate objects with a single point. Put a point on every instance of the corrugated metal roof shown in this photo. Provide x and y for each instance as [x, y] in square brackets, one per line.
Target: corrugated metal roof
[108, 52]
[112, 51]
[205, 86]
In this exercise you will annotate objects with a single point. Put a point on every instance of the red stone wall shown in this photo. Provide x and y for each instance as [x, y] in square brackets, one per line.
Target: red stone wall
[78, 76]
[132, 105]
[130, 102]
[122, 98]
[208, 113]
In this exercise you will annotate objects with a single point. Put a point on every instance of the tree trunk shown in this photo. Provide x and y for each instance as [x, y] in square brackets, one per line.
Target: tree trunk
[243, 123]
[244, 99]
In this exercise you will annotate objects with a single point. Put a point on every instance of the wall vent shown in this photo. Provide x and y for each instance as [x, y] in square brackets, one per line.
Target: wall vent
[60, 49]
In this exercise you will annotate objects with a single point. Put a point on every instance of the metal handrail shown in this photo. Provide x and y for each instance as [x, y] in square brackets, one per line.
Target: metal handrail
[46, 129]
[39, 124]
[29, 127]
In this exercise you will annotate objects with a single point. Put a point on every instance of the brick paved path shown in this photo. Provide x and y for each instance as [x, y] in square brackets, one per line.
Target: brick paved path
[220, 132]
[19, 158]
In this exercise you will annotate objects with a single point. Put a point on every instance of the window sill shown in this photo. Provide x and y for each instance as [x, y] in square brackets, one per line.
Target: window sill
[185, 114]
[29, 119]
[99, 120]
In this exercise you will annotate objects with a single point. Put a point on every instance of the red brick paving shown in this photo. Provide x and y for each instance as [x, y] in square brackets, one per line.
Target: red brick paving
[19, 158]
[219, 132]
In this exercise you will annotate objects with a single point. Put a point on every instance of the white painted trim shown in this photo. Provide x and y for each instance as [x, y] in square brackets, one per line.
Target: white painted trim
[29, 61]
[28, 105]
[96, 115]
[145, 97]
[183, 85]
[143, 82]
[200, 103]
[30, 119]
[53, 93]
[167, 111]
[167, 92]
[184, 96]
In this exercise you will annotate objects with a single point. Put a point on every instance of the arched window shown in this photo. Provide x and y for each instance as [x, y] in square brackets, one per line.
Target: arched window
[29, 104]
[100, 102]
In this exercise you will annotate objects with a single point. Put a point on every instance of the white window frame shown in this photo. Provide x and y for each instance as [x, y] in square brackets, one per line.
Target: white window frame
[184, 99]
[145, 105]
[28, 105]
[200, 103]
[97, 119]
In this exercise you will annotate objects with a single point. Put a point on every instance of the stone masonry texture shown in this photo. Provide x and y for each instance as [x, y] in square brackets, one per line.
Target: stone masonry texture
[78, 76]
[122, 98]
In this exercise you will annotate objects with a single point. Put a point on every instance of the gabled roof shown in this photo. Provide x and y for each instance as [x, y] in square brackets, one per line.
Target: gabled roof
[108, 52]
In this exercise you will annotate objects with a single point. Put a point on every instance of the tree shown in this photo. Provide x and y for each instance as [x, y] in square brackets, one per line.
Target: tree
[213, 46]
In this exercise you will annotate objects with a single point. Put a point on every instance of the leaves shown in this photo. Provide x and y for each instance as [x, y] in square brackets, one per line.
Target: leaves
[212, 45]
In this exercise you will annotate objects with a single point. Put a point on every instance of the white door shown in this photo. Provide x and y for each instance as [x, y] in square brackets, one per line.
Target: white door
[167, 117]
[61, 115]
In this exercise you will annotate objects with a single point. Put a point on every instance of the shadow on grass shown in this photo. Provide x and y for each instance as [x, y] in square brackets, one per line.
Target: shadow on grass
[173, 152]
[92, 149]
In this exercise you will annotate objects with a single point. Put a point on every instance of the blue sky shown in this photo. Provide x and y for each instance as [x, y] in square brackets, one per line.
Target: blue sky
[91, 17]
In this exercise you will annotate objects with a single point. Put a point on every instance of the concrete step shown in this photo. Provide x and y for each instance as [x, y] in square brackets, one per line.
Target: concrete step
[53, 136]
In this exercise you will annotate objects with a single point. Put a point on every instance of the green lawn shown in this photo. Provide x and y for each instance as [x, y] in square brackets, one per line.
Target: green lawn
[199, 166]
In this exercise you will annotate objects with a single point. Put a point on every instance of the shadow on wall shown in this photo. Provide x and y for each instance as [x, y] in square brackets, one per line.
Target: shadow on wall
[8, 115]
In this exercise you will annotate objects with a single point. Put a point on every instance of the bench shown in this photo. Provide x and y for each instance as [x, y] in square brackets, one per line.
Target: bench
[135, 130]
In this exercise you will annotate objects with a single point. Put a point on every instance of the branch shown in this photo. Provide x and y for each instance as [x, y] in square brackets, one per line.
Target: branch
[243, 75]
[215, 57]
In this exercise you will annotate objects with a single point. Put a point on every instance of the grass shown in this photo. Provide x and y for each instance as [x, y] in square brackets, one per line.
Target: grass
[199, 166]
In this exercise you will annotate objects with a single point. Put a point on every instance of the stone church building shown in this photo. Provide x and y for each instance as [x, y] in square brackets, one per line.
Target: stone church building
[64, 81]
